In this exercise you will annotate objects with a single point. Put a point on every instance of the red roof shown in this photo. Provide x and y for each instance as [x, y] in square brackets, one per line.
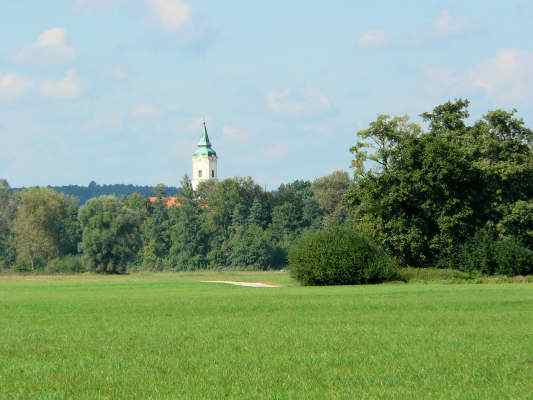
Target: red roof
[168, 201]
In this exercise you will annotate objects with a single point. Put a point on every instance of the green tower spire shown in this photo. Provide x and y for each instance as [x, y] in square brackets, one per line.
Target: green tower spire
[204, 145]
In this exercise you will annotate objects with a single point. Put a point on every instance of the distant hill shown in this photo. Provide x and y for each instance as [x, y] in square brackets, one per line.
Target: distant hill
[85, 193]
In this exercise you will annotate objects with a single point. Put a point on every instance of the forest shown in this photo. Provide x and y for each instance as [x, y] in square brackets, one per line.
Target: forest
[445, 192]
[85, 193]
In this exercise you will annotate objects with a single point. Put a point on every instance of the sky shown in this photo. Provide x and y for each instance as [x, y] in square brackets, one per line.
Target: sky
[115, 90]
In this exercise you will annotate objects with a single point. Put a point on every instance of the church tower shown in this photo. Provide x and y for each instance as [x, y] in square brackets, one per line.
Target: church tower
[204, 161]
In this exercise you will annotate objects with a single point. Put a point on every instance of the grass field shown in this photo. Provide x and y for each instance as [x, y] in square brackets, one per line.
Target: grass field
[168, 336]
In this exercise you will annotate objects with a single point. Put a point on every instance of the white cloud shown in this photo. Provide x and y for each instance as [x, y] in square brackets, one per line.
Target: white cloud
[276, 150]
[299, 103]
[119, 73]
[447, 24]
[171, 14]
[51, 47]
[55, 37]
[373, 38]
[236, 134]
[174, 16]
[69, 87]
[12, 86]
[506, 77]
[146, 111]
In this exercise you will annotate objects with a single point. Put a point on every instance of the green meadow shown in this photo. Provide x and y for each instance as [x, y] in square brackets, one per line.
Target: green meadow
[170, 336]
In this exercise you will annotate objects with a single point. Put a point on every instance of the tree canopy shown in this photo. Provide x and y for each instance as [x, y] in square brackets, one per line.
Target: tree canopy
[428, 191]
[449, 192]
[45, 226]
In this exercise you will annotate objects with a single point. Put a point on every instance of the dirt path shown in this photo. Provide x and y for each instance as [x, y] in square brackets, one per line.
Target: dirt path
[247, 284]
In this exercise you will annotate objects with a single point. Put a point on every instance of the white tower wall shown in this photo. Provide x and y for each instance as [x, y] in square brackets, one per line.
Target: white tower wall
[203, 169]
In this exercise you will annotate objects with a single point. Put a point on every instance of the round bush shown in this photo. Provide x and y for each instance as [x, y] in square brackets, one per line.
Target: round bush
[339, 256]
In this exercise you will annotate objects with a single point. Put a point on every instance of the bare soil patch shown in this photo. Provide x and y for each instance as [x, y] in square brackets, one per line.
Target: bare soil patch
[247, 284]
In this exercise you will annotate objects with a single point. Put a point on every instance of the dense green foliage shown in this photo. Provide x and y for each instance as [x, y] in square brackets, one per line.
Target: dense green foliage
[517, 222]
[233, 223]
[339, 256]
[329, 192]
[449, 194]
[45, 227]
[168, 336]
[490, 256]
[251, 246]
[155, 231]
[188, 236]
[111, 234]
[65, 265]
[428, 192]
[7, 215]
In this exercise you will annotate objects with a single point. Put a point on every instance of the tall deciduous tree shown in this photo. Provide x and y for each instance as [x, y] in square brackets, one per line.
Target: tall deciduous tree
[7, 215]
[224, 198]
[295, 210]
[428, 192]
[188, 244]
[187, 191]
[188, 239]
[45, 227]
[226, 204]
[156, 236]
[329, 191]
[259, 213]
[111, 234]
[250, 246]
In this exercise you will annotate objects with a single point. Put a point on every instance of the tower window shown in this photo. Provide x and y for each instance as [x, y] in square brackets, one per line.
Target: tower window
[200, 174]
[212, 173]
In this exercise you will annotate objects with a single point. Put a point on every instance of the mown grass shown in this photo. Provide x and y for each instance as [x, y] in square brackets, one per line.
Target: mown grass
[168, 336]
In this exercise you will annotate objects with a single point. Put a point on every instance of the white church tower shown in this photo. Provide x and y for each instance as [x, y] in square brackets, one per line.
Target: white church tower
[204, 161]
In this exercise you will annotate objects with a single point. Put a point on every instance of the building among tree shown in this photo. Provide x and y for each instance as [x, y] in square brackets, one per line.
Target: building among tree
[169, 202]
[204, 167]
[204, 161]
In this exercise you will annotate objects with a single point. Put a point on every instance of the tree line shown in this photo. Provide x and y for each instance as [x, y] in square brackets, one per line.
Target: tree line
[446, 192]
[233, 223]
[85, 193]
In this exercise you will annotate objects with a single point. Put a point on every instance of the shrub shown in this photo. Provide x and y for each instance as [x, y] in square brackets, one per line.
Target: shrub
[65, 265]
[339, 256]
[432, 275]
[185, 261]
[21, 266]
[495, 257]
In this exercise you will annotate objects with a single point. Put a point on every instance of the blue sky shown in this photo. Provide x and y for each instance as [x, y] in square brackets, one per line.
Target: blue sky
[115, 90]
